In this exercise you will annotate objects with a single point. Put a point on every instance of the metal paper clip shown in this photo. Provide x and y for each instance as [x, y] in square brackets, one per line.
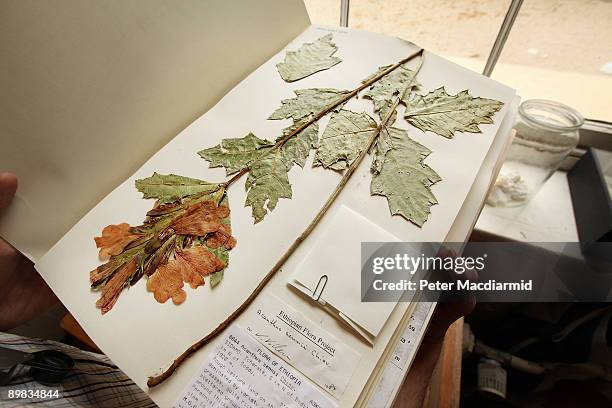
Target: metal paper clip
[316, 294]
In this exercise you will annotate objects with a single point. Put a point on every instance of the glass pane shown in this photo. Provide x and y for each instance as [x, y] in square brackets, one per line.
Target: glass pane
[325, 12]
[557, 49]
[452, 28]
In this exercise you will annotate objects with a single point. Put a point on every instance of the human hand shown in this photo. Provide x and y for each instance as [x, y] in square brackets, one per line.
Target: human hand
[23, 293]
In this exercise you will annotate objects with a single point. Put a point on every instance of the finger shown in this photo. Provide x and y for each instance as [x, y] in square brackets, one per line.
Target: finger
[8, 188]
[471, 275]
[446, 314]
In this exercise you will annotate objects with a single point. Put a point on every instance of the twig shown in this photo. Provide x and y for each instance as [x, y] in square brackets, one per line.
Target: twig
[156, 380]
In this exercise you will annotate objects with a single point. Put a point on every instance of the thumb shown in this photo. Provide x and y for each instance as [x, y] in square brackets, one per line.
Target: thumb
[8, 188]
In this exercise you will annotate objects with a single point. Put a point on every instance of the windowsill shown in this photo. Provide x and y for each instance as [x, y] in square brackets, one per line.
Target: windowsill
[548, 217]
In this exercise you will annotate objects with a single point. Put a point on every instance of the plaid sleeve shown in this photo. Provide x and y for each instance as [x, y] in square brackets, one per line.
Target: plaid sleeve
[94, 382]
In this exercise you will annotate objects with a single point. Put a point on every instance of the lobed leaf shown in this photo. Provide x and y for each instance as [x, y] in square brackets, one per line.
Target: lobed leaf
[235, 154]
[309, 59]
[404, 179]
[344, 138]
[397, 82]
[114, 239]
[308, 102]
[267, 183]
[167, 283]
[446, 114]
[168, 188]
[383, 145]
[201, 219]
[298, 147]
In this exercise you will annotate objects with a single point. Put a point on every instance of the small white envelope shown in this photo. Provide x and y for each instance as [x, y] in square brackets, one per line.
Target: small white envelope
[337, 255]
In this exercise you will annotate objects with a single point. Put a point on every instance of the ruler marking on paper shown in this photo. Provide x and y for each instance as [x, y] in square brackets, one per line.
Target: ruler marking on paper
[399, 363]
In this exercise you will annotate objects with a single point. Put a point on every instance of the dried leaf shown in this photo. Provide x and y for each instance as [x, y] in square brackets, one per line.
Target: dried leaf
[216, 278]
[222, 239]
[159, 257]
[102, 273]
[235, 154]
[114, 239]
[188, 273]
[189, 266]
[167, 282]
[267, 182]
[113, 287]
[168, 246]
[309, 59]
[201, 260]
[381, 148]
[201, 219]
[297, 148]
[446, 114]
[268, 164]
[308, 102]
[217, 239]
[222, 254]
[168, 188]
[397, 82]
[404, 179]
[344, 138]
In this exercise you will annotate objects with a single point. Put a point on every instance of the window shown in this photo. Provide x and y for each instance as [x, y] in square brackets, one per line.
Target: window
[557, 49]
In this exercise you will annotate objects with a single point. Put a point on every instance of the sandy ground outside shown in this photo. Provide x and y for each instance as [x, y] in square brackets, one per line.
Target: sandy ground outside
[555, 50]
[565, 35]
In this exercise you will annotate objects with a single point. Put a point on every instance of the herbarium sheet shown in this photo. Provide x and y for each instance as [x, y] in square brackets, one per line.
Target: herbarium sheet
[143, 336]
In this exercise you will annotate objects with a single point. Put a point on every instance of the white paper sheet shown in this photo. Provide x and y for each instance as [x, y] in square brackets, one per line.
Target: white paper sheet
[90, 90]
[142, 336]
[336, 256]
[242, 373]
[304, 345]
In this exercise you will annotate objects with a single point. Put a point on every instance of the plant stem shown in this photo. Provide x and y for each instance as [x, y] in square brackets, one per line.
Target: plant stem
[328, 109]
[156, 380]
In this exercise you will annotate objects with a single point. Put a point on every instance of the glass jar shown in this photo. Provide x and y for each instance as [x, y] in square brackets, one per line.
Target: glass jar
[546, 133]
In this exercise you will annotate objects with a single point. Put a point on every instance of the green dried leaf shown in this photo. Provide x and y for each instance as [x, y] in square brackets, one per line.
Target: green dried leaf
[216, 278]
[168, 188]
[308, 102]
[344, 138]
[381, 148]
[397, 82]
[446, 114]
[404, 179]
[235, 154]
[223, 255]
[309, 59]
[267, 182]
[298, 147]
[268, 166]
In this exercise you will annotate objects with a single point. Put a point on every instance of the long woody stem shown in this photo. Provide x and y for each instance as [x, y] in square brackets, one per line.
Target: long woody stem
[156, 380]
